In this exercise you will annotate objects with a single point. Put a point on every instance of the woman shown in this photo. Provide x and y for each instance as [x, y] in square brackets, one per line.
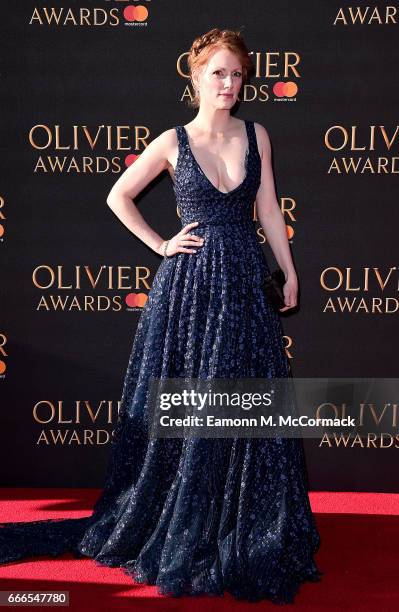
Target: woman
[197, 515]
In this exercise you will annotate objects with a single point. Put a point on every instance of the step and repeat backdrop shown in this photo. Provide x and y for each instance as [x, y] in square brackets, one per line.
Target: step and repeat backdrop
[86, 86]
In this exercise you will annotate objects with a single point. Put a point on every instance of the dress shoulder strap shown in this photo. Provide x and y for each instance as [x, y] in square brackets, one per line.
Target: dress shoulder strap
[181, 135]
[250, 131]
[253, 143]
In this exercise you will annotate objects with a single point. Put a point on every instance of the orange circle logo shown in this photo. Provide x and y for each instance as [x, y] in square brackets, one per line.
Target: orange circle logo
[136, 300]
[290, 231]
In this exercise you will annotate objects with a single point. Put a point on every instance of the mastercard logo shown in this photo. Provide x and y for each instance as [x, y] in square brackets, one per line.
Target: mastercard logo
[285, 90]
[135, 13]
[136, 300]
[2, 367]
[290, 231]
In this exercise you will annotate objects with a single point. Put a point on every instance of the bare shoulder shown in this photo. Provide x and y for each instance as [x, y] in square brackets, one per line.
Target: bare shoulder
[169, 142]
[263, 139]
[165, 141]
[164, 147]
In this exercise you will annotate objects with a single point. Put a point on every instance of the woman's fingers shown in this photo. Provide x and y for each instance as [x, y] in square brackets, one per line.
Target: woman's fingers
[190, 225]
[192, 239]
[187, 242]
[186, 235]
[183, 250]
[192, 236]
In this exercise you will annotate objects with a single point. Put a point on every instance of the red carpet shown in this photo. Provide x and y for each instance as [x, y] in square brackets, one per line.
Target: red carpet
[359, 555]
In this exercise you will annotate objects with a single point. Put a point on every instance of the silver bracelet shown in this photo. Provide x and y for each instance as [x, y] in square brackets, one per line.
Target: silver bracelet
[164, 249]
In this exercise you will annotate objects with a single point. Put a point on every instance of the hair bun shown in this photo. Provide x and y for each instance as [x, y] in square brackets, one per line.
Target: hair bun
[205, 40]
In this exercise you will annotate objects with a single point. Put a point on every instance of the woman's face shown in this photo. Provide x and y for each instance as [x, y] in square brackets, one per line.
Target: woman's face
[220, 79]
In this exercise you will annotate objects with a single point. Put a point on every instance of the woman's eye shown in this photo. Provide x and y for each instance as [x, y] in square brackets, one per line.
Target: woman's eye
[237, 73]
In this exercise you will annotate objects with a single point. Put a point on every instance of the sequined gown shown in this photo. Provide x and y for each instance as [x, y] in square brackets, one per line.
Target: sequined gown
[198, 516]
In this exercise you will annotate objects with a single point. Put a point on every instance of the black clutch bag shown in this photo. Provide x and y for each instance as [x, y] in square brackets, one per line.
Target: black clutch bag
[273, 287]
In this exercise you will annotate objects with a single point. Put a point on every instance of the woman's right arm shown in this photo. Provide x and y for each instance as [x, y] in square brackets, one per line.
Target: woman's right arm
[147, 166]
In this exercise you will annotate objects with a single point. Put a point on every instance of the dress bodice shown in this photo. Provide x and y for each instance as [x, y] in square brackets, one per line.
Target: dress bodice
[199, 200]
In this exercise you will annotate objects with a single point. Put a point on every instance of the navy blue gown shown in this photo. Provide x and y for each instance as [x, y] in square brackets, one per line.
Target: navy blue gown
[195, 515]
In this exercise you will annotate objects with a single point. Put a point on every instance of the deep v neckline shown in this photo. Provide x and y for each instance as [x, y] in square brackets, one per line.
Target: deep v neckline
[223, 193]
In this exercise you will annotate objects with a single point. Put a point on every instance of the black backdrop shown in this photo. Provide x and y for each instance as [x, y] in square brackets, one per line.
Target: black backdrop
[64, 340]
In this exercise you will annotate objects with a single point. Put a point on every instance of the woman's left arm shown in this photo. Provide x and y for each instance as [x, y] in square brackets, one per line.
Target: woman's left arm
[272, 220]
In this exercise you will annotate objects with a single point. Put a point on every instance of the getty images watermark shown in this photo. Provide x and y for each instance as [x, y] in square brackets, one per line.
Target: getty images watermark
[272, 407]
